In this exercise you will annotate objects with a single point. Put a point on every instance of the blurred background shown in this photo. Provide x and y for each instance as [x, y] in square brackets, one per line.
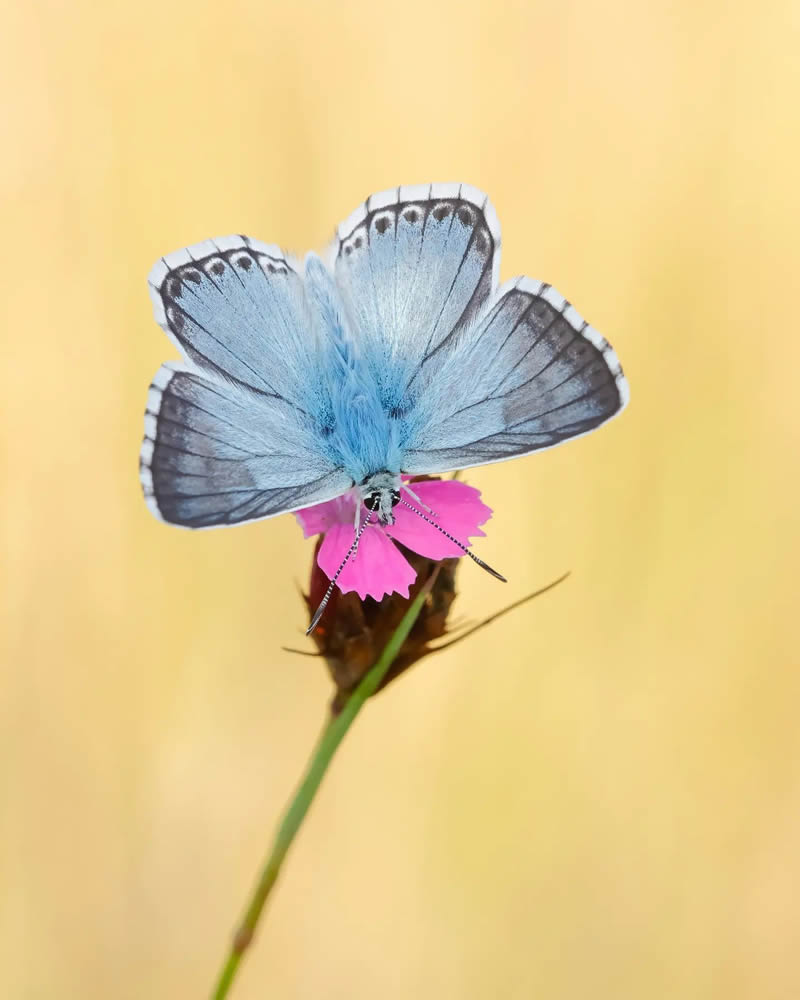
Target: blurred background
[600, 795]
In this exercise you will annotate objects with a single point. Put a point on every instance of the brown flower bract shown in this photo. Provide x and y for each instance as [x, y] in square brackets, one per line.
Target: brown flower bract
[353, 633]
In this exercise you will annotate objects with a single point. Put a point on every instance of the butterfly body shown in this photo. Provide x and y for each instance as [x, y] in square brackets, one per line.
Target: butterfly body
[397, 353]
[352, 415]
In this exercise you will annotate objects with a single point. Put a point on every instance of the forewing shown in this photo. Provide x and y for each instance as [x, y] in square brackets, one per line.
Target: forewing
[530, 374]
[217, 454]
[415, 265]
[235, 307]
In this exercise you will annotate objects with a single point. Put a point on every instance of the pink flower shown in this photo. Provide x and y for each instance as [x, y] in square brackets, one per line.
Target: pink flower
[378, 567]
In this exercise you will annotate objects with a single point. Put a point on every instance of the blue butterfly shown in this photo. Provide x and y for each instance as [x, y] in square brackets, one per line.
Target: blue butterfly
[393, 353]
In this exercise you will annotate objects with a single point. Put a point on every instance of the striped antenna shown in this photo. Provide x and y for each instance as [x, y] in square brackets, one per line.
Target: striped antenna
[455, 541]
[350, 552]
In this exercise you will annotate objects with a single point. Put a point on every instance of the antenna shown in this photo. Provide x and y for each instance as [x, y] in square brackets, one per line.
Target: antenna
[350, 552]
[455, 541]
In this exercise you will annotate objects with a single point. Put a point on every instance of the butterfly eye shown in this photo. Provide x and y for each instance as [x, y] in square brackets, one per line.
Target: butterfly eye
[395, 498]
[373, 502]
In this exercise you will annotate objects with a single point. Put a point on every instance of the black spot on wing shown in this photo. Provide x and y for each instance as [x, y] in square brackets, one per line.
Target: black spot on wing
[465, 216]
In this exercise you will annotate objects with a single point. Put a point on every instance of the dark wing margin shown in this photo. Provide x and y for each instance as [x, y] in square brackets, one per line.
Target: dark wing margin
[531, 375]
[415, 264]
[214, 454]
[235, 308]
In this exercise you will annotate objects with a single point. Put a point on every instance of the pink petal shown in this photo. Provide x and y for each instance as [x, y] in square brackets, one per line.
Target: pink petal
[377, 569]
[459, 512]
[321, 517]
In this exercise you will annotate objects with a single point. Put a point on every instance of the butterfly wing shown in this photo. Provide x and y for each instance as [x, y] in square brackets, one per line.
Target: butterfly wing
[415, 265]
[229, 437]
[530, 374]
[236, 310]
[471, 374]
[215, 453]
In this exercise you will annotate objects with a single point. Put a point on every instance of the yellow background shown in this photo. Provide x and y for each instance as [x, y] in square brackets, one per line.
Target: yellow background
[599, 796]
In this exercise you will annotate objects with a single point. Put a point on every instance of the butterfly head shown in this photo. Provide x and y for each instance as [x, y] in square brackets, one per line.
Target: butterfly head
[381, 493]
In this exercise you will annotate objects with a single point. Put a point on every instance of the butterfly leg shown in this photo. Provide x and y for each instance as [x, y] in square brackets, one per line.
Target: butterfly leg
[412, 494]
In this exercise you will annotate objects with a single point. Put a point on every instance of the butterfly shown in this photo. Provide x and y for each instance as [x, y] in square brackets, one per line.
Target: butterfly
[394, 353]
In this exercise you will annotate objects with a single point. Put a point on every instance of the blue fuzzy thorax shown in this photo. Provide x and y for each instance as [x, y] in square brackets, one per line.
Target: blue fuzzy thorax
[353, 420]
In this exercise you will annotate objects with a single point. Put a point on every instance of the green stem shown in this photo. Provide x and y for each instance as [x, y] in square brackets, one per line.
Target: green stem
[332, 736]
